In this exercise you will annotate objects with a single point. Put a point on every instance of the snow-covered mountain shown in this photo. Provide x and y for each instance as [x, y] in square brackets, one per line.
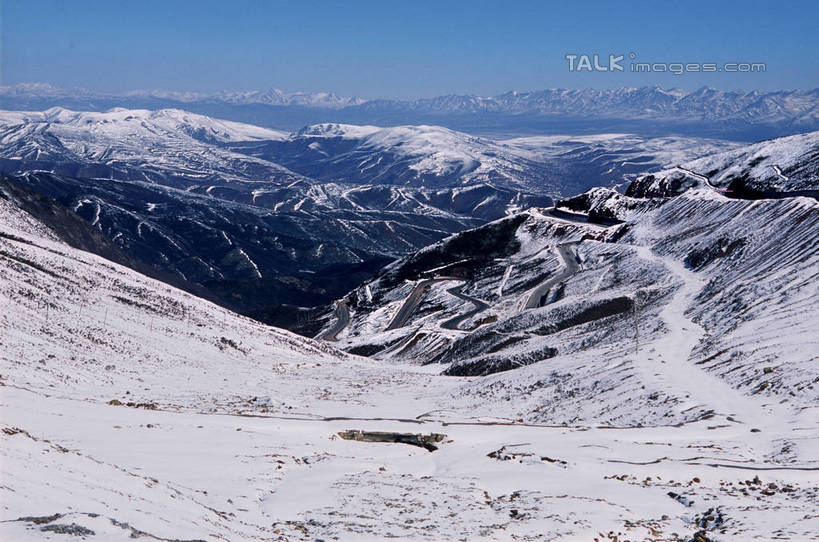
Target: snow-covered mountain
[197, 153]
[271, 96]
[161, 147]
[305, 216]
[650, 111]
[773, 168]
[429, 156]
[665, 390]
[730, 257]
[432, 156]
[800, 107]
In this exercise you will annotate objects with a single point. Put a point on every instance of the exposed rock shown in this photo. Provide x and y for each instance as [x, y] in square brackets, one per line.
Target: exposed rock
[423, 441]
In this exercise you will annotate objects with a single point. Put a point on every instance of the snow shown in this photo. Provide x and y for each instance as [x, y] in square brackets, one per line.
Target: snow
[242, 441]
[128, 122]
[723, 353]
[662, 151]
[249, 261]
[426, 155]
[780, 164]
[163, 144]
[669, 363]
[505, 279]
[331, 130]
[133, 409]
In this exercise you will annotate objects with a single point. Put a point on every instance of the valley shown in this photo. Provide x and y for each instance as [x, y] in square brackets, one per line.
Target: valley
[591, 363]
[144, 411]
[446, 272]
[268, 223]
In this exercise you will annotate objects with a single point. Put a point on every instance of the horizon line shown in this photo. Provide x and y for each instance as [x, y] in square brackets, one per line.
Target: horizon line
[287, 93]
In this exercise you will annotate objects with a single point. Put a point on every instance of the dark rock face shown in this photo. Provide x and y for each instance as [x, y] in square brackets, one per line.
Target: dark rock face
[745, 187]
[72, 529]
[487, 366]
[651, 186]
[598, 311]
[66, 224]
[495, 240]
[428, 442]
[71, 228]
[723, 248]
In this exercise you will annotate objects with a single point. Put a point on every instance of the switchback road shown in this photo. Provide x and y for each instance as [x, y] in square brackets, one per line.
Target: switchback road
[538, 295]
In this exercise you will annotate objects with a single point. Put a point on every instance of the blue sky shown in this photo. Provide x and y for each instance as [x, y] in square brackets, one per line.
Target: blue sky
[399, 49]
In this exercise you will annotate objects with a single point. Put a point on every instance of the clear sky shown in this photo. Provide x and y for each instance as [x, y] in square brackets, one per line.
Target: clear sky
[402, 49]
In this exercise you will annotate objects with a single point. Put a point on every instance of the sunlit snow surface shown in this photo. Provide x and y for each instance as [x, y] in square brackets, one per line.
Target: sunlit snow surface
[784, 164]
[231, 429]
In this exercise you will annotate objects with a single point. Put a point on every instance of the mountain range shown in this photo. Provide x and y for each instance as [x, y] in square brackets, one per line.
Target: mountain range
[647, 111]
[260, 218]
[612, 366]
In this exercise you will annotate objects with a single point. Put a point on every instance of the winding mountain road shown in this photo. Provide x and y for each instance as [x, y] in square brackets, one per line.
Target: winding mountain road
[480, 306]
[752, 193]
[579, 218]
[342, 314]
[412, 302]
[538, 295]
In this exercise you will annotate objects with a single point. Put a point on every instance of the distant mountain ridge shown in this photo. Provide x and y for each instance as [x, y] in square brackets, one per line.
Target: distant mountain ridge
[753, 114]
[643, 102]
[271, 96]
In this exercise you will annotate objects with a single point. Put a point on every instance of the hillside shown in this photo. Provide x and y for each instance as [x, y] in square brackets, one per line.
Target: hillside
[552, 289]
[265, 222]
[783, 167]
[132, 409]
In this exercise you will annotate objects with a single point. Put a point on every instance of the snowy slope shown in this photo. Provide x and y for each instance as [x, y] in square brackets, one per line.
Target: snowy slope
[785, 164]
[744, 271]
[433, 156]
[428, 156]
[93, 312]
[168, 147]
[131, 409]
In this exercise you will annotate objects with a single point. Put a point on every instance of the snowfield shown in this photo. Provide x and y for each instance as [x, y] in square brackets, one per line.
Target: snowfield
[131, 409]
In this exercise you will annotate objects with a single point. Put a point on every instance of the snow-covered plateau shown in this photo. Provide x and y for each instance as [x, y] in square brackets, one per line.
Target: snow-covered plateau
[648, 375]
